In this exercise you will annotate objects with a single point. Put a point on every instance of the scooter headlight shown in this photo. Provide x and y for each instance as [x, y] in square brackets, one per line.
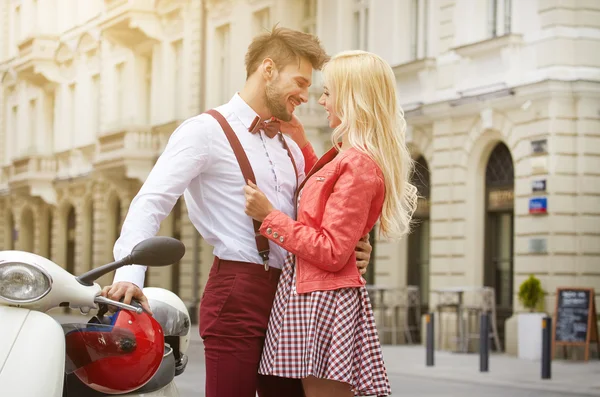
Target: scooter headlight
[22, 282]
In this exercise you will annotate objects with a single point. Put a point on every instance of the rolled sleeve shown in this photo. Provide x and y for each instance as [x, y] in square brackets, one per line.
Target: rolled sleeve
[186, 155]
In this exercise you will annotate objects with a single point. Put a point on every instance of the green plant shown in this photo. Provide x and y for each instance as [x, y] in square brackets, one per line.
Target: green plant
[531, 293]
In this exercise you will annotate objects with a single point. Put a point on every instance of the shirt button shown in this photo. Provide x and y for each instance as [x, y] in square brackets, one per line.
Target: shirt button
[281, 239]
[269, 230]
[275, 234]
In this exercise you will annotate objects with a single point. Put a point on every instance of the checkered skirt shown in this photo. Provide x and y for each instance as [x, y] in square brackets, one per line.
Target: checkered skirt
[326, 334]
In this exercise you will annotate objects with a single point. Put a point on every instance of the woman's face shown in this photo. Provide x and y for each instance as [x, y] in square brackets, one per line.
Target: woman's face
[327, 100]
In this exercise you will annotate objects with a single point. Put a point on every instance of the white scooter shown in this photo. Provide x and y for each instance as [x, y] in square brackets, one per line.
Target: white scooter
[33, 352]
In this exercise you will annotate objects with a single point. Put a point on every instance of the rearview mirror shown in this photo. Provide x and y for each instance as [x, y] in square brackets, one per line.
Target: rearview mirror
[157, 251]
[154, 251]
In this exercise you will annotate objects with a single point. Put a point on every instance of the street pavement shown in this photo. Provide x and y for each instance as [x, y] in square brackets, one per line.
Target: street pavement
[453, 374]
[420, 382]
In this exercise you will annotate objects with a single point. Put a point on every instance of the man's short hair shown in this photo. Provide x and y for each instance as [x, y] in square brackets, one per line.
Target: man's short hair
[284, 46]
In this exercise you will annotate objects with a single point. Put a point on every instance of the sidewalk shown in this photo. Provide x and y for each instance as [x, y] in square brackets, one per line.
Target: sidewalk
[574, 377]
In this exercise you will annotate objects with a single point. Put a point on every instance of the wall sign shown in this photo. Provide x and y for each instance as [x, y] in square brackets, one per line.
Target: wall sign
[538, 185]
[538, 205]
[539, 146]
[500, 199]
[538, 246]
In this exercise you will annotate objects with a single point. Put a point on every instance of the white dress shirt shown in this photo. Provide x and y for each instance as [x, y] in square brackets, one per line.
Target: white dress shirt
[198, 162]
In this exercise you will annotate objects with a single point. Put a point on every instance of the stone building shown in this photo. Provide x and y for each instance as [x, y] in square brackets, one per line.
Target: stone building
[90, 93]
[502, 100]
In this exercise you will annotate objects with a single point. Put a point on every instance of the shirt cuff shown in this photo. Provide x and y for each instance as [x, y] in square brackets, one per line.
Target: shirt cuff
[132, 274]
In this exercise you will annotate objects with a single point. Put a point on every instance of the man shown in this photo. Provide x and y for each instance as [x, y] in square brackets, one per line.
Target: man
[200, 162]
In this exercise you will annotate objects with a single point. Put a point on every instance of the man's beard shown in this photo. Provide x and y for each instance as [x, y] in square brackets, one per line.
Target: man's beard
[276, 103]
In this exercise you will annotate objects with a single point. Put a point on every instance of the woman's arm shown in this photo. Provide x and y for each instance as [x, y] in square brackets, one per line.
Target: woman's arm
[329, 246]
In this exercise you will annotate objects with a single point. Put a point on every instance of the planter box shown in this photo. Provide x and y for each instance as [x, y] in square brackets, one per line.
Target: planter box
[530, 335]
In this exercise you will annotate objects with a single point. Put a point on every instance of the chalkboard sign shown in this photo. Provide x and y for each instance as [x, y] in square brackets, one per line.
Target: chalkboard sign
[575, 318]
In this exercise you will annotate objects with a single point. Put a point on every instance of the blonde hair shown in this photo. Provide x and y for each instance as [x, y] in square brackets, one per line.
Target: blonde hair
[365, 101]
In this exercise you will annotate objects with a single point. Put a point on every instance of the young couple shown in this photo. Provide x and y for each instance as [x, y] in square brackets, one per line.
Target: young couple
[285, 297]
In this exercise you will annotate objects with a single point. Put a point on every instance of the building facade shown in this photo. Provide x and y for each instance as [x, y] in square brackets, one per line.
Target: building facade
[503, 118]
[90, 93]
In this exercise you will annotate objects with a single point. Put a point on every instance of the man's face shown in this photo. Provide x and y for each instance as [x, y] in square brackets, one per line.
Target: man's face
[288, 88]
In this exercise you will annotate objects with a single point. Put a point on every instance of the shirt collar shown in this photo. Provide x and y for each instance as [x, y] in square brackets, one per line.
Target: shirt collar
[242, 110]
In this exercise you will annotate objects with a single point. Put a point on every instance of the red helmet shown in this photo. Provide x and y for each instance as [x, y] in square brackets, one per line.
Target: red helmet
[118, 356]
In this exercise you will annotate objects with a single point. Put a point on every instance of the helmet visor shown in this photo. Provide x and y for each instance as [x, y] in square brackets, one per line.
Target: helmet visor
[86, 343]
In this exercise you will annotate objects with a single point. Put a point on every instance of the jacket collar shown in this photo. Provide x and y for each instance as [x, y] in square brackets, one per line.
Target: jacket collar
[326, 158]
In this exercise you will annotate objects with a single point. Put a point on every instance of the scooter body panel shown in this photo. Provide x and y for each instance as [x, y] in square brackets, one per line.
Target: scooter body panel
[11, 322]
[34, 356]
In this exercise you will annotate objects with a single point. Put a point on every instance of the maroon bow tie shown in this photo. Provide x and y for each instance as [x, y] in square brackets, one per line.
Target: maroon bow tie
[271, 128]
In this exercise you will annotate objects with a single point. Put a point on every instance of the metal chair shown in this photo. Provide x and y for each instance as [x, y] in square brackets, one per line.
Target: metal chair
[484, 302]
[389, 305]
[448, 302]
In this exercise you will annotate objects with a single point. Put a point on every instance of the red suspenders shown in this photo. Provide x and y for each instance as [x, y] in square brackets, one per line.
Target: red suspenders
[262, 244]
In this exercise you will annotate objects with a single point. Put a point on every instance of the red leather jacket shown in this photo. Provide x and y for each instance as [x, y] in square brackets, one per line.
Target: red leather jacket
[342, 198]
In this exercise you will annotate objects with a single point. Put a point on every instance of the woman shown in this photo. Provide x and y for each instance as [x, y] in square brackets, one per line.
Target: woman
[321, 327]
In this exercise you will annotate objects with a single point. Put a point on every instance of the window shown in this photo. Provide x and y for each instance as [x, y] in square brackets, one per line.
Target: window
[119, 80]
[499, 17]
[309, 17]
[361, 25]
[95, 105]
[48, 135]
[500, 171]
[33, 117]
[419, 11]
[12, 146]
[222, 59]
[148, 91]
[178, 79]
[262, 21]
[34, 13]
[73, 110]
[16, 33]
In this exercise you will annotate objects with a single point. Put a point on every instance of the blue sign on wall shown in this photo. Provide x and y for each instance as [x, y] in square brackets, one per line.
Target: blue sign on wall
[538, 205]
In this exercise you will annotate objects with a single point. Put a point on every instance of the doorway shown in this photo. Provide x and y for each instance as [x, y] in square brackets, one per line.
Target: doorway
[419, 241]
[499, 232]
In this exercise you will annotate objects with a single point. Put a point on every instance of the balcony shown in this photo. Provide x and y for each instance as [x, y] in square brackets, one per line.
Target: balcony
[35, 62]
[414, 67]
[34, 175]
[131, 23]
[163, 132]
[133, 150]
[493, 45]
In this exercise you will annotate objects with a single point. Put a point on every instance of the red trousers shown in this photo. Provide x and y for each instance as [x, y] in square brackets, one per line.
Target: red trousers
[234, 314]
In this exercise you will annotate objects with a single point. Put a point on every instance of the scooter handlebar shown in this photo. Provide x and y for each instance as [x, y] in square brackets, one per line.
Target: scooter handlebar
[102, 300]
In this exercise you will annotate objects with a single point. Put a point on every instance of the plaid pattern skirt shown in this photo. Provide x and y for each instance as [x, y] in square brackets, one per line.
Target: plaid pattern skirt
[326, 334]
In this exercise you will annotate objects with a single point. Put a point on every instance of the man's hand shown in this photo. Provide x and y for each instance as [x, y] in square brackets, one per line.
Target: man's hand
[128, 291]
[258, 205]
[363, 254]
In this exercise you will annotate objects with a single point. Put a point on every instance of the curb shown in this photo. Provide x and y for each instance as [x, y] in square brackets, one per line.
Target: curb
[513, 384]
